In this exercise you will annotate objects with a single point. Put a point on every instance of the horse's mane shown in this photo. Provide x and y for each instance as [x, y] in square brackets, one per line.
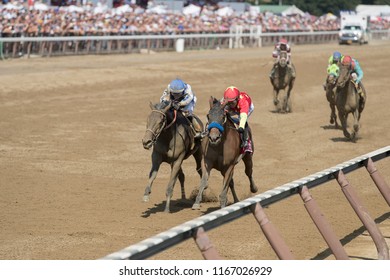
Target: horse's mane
[161, 105]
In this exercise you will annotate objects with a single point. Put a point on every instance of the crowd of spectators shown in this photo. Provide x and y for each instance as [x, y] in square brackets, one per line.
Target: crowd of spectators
[26, 19]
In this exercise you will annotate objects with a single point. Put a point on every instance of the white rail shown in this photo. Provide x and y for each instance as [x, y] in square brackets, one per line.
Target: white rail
[178, 234]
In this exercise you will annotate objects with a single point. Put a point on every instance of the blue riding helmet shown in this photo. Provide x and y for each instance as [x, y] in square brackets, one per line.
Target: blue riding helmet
[176, 88]
[336, 56]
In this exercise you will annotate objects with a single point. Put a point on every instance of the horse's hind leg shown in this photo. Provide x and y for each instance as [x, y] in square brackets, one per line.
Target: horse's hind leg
[248, 171]
[181, 178]
[198, 159]
[156, 162]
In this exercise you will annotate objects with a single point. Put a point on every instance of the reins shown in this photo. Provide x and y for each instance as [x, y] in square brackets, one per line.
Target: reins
[164, 126]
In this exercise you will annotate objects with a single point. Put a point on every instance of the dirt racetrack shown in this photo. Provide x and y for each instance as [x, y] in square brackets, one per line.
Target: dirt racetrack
[73, 170]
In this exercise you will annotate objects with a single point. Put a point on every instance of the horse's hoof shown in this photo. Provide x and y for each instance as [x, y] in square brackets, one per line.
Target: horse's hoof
[146, 198]
[331, 121]
[196, 206]
[276, 102]
[254, 189]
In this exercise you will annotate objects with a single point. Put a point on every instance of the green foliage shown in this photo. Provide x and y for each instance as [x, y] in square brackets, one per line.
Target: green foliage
[320, 7]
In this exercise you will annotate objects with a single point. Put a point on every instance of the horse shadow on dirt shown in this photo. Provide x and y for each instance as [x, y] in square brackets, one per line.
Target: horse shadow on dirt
[344, 140]
[348, 238]
[176, 206]
[330, 127]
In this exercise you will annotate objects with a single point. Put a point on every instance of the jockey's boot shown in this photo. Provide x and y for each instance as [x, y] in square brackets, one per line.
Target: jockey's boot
[196, 127]
[245, 137]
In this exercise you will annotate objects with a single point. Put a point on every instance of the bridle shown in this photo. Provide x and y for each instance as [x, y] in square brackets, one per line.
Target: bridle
[164, 125]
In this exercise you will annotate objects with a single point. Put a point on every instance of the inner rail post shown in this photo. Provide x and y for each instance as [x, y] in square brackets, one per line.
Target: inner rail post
[205, 246]
[360, 210]
[378, 179]
[323, 226]
[271, 233]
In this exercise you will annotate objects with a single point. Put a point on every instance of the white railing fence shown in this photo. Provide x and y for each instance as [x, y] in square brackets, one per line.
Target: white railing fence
[238, 37]
[196, 228]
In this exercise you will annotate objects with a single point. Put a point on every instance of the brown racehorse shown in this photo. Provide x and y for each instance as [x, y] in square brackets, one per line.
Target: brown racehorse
[330, 88]
[348, 101]
[281, 79]
[222, 151]
[172, 139]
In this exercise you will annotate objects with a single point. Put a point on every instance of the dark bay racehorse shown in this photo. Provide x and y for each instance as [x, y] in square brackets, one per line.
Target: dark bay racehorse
[172, 139]
[330, 88]
[222, 151]
[348, 101]
[282, 79]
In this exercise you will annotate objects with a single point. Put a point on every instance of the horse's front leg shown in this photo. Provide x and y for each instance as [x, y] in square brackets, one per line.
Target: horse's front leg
[175, 168]
[287, 103]
[233, 190]
[356, 125]
[203, 185]
[333, 117]
[156, 163]
[343, 120]
[227, 177]
[276, 98]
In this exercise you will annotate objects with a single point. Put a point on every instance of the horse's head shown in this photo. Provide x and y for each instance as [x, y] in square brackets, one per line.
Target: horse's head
[216, 119]
[156, 122]
[344, 75]
[331, 81]
[283, 58]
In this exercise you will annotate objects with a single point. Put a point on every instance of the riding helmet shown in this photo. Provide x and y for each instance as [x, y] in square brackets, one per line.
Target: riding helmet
[231, 94]
[336, 56]
[347, 60]
[283, 41]
[176, 87]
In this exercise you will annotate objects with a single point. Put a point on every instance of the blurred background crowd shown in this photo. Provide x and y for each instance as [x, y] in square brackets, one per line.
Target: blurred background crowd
[67, 18]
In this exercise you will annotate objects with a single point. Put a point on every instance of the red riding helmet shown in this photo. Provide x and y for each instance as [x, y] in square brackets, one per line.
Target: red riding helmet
[231, 93]
[347, 60]
[283, 41]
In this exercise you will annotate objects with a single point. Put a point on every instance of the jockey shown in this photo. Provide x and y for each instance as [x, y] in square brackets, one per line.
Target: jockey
[239, 103]
[282, 45]
[183, 99]
[357, 74]
[333, 63]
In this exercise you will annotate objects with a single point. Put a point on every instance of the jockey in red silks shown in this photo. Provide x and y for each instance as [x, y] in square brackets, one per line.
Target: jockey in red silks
[239, 103]
[282, 45]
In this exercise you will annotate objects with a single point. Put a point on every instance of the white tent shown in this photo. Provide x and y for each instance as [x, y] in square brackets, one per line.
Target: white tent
[293, 10]
[76, 9]
[373, 10]
[100, 9]
[40, 6]
[158, 9]
[191, 10]
[123, 9]
[225, 12]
